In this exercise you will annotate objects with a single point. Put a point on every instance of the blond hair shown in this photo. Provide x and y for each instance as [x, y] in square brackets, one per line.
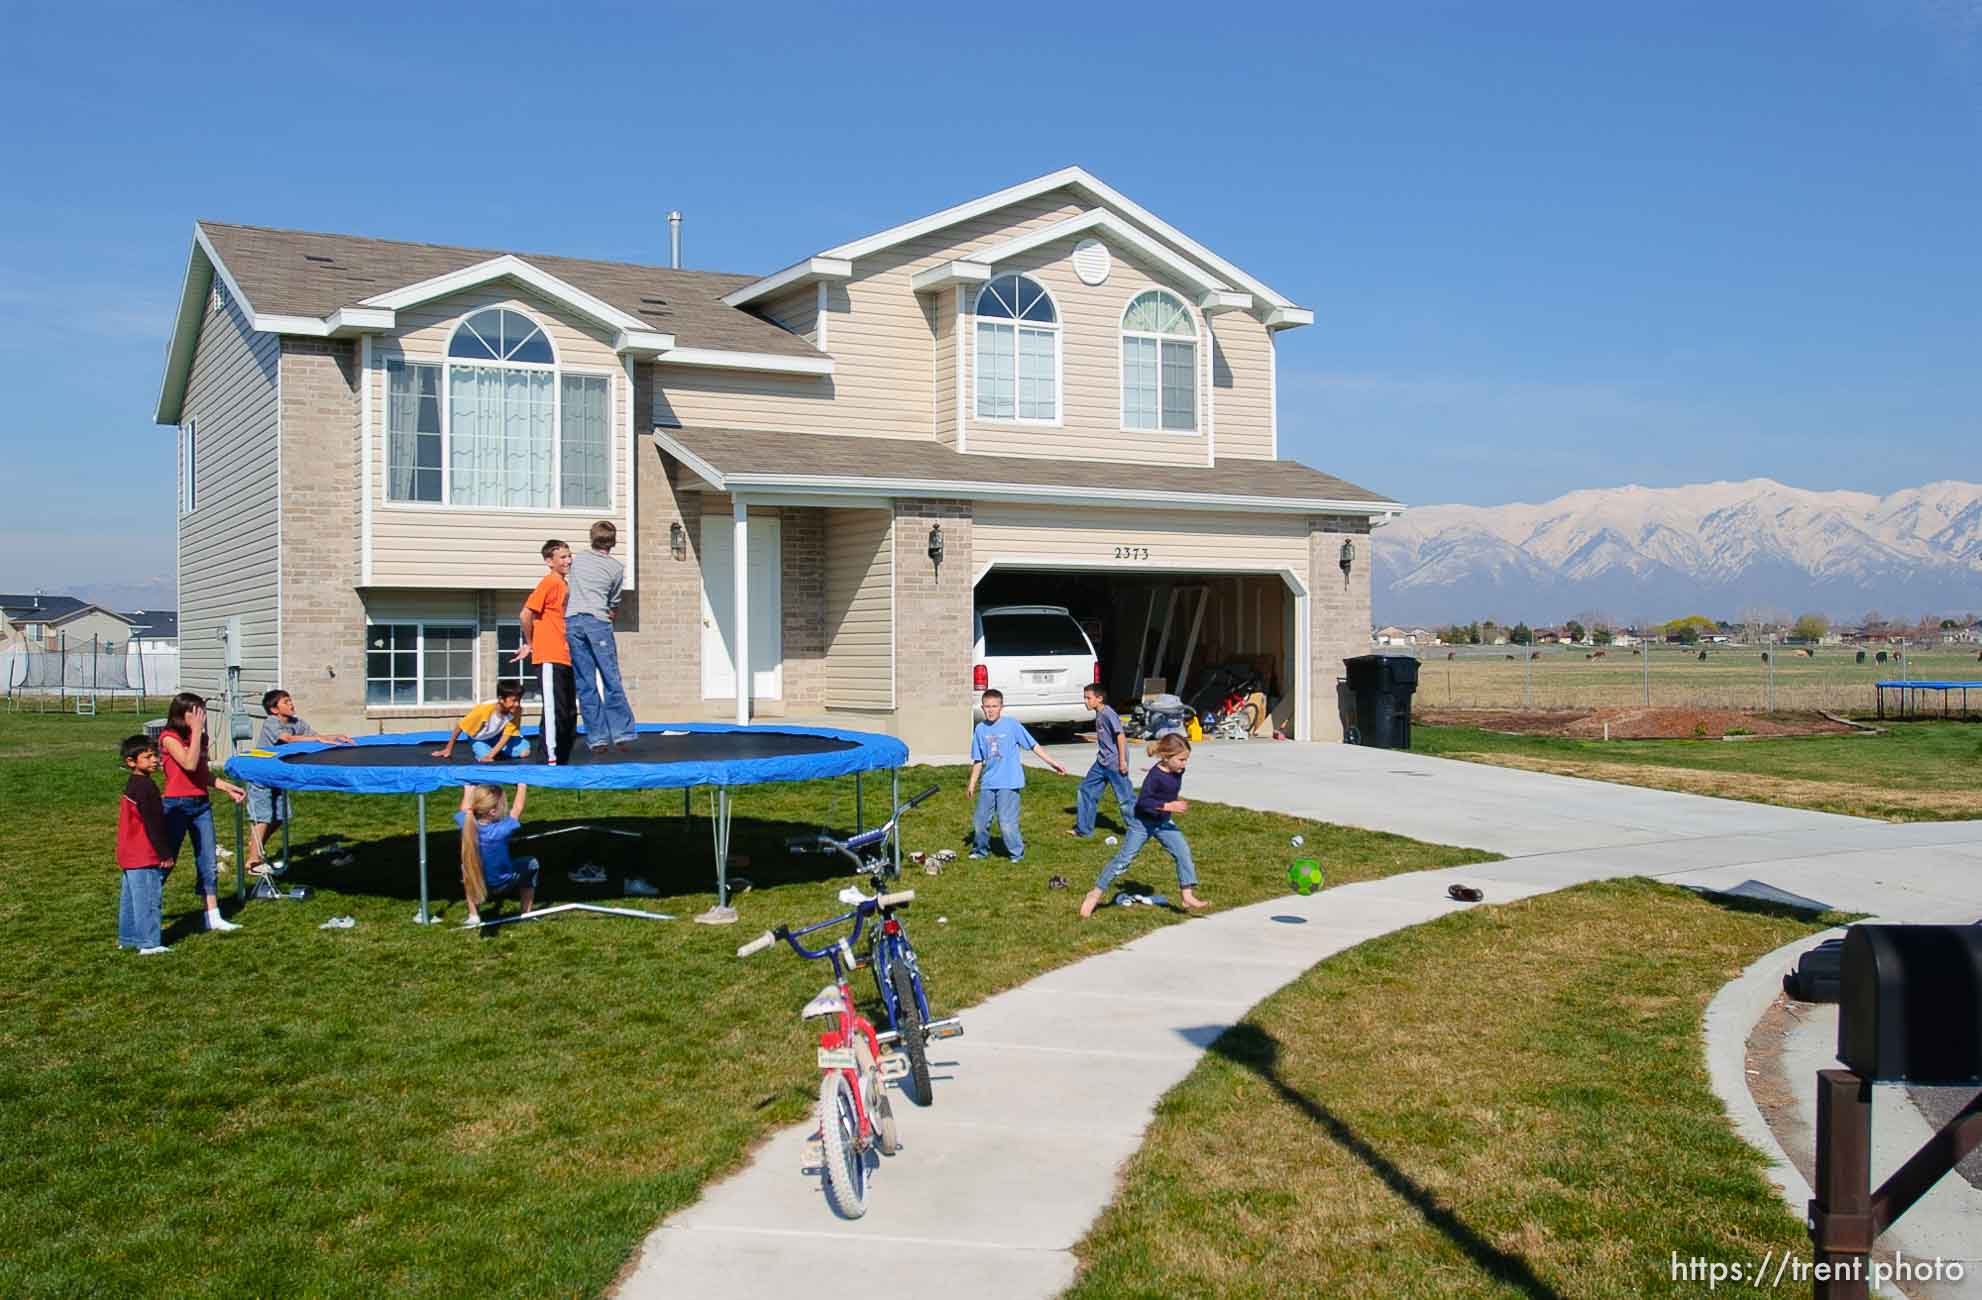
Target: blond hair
[1168, 745]
[484, 805]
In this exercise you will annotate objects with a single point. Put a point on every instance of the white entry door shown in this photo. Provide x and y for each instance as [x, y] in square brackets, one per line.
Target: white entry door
[767, 651]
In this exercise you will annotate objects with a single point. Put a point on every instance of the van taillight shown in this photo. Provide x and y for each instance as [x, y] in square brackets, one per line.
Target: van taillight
[980, 678]
[1097, 673]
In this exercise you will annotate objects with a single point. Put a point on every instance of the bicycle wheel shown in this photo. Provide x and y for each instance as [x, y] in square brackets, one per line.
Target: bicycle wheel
[908, 1023]
[1251, 713]
[839, 1146]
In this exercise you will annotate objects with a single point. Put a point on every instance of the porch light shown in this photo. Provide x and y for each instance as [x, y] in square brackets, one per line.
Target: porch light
[677, 540]
[936, 545]
[1348, 557]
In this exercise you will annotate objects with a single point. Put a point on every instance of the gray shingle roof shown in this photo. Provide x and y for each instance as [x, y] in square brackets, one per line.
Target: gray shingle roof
[300, 273]
[32, 608]
[811, 456]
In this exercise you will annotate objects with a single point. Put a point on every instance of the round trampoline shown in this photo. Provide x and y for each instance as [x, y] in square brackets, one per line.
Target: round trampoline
[673, 756]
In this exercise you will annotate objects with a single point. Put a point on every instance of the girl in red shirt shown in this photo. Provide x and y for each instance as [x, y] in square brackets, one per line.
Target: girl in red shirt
[187, 806]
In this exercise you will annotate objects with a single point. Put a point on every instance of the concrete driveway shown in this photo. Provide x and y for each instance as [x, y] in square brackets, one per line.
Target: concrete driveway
[1055, 1082]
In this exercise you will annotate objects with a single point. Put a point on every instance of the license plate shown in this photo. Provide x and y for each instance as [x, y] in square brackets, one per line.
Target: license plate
[1042, 679]
[836, 1058]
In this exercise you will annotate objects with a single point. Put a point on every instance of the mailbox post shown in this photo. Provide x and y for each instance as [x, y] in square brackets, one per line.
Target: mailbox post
[1910, 1011]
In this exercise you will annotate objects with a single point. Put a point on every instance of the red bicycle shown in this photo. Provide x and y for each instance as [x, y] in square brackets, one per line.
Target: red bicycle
[855, 1119]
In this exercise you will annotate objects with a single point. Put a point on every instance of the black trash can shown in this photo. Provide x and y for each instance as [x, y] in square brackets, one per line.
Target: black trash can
[1383, 686]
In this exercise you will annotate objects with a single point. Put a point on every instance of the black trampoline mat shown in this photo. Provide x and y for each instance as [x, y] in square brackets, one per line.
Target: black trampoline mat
[648, 747]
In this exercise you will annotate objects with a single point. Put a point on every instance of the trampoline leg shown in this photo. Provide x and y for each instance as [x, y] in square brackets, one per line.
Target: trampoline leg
[240, 854]
[285, 841]
[859, 812]
[420, 802]
[895, 802]
[719, 806]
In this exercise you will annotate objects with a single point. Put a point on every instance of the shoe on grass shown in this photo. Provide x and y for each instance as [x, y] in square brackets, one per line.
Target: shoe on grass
[588, 874]
[261, 869]
[153, 951]
[975, 856]
[220, 924]
[638, 887]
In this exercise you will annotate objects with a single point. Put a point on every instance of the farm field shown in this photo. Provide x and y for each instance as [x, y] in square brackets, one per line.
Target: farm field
[1912, 771]
[1730, 677]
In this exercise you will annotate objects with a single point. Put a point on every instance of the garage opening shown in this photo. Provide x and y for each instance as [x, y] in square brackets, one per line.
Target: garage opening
[1201, 635]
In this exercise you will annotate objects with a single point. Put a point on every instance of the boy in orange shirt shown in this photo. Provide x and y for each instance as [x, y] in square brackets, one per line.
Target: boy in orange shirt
[543, 641]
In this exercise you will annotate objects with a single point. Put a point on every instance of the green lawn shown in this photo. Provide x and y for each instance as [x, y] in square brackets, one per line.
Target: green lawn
[1916, 771]
[408, 1110]
[1506, 1102]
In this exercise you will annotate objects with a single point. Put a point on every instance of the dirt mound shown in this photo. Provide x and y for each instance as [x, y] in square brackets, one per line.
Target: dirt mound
[1637, 723]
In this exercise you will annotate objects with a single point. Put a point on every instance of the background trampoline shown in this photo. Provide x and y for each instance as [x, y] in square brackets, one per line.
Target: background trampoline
[680, 756]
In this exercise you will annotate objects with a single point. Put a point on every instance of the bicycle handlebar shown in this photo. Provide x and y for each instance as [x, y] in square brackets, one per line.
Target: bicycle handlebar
[757, 945]
[916, 800]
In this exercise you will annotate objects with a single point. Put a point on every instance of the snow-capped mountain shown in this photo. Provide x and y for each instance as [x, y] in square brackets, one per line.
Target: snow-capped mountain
[1711, 548]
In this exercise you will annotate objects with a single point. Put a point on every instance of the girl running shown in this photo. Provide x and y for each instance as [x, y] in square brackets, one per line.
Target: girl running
[1153, 820]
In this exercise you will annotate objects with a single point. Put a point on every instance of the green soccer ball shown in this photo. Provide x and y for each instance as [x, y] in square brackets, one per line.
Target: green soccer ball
[1305, 876]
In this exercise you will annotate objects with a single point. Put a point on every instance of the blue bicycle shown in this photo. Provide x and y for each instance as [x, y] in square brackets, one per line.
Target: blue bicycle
[897, 974]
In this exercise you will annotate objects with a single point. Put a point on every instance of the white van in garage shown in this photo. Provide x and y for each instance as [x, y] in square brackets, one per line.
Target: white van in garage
[1038, 656]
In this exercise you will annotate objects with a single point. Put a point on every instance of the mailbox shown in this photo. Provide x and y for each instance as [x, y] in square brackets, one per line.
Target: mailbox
[1910, 1004]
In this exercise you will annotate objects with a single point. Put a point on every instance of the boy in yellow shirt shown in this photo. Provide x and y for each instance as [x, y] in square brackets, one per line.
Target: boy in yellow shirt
[494, 728]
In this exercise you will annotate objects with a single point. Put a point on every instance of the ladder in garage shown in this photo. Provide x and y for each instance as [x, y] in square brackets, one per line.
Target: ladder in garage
[1168, 594]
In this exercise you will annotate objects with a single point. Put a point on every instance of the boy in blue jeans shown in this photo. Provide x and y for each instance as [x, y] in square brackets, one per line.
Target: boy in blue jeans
[1110, 769]
[589, 613]
[142, 851]
[995, 758]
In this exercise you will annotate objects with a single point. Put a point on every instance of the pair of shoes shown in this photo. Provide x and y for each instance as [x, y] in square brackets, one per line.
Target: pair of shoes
[637, 887]
[975, 856]
[340, 923]
[589, 874]
[221, 924]
[1464, 894]
[153, 951]
[1057, 882]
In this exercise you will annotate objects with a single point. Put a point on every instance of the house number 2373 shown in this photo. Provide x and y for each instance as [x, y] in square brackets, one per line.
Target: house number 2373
[1131, 552]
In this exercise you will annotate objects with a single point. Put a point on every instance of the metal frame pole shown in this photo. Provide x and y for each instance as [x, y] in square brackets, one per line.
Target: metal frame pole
[859, 811]
[896, 774]
[240, 854]
[719, 827]
[420, 802]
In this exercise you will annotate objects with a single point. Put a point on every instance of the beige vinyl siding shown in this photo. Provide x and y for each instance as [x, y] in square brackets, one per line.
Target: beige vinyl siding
[1090, 425]
[1083, 537]
[860, 629]
[796, 311]
[1242, 386]
[229, 546]
[418, 545]
[881, 335]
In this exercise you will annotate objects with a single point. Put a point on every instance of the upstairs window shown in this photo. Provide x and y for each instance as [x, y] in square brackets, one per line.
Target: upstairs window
[1159, 364]
[500, 425]
[1018, 352]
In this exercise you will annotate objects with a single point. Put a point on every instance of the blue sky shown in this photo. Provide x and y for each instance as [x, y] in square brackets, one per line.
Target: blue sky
[1548, 246]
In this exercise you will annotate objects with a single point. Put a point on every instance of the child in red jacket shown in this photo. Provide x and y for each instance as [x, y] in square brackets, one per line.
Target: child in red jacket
[141, 851]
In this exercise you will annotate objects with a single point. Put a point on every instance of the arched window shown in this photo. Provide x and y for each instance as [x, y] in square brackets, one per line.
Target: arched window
[1018, 352]
[507, 426]
[1159, 364]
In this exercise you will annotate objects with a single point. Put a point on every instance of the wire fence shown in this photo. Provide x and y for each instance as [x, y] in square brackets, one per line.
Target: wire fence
[1743, 677]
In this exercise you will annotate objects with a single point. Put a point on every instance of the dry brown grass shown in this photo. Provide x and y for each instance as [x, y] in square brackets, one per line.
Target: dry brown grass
[1845, 797]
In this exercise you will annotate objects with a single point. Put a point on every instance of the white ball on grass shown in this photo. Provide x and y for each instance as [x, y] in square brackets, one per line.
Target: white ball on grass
[1109, 840]
[1299, 840]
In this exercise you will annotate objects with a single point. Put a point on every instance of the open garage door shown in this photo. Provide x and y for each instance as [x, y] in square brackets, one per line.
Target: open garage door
[1194, 634]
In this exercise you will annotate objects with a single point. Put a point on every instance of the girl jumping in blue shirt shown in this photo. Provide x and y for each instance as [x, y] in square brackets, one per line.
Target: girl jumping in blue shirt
[1153, 820]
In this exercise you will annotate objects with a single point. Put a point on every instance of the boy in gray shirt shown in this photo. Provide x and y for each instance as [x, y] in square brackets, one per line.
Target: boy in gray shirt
[589, 611]
[1110, 769]
[268, 808]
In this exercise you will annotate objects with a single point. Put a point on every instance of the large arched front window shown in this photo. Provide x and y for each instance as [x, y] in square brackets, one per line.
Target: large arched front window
[504, 425]
[1159, 364]
[1018, 351]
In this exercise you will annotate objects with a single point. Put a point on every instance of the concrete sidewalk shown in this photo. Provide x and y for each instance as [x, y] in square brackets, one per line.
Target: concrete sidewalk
[1056, 1081]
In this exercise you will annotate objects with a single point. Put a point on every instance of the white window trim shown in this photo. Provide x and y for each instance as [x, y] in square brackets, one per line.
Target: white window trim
[189, 492]
[1059, 357]
[556, 368]
[1198, 398]
[423, 622]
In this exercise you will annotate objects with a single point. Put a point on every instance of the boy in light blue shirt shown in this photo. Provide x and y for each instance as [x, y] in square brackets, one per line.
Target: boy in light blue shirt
[996, 758]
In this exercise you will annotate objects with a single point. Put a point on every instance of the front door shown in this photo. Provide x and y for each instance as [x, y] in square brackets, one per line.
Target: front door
[718, 609]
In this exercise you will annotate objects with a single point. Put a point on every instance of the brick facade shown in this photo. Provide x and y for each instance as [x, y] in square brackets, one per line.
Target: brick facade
[1338, 614]
[322, 617]
[932, 627]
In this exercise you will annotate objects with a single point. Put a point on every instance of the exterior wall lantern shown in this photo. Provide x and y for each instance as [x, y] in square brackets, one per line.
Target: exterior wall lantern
[677, 540]
[1348, 559]
[936, 545]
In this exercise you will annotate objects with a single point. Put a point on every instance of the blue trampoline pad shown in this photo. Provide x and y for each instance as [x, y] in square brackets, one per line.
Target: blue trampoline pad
[666, 756]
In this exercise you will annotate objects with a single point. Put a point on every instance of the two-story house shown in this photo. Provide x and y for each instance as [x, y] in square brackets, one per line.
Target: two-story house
[1046, 389]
